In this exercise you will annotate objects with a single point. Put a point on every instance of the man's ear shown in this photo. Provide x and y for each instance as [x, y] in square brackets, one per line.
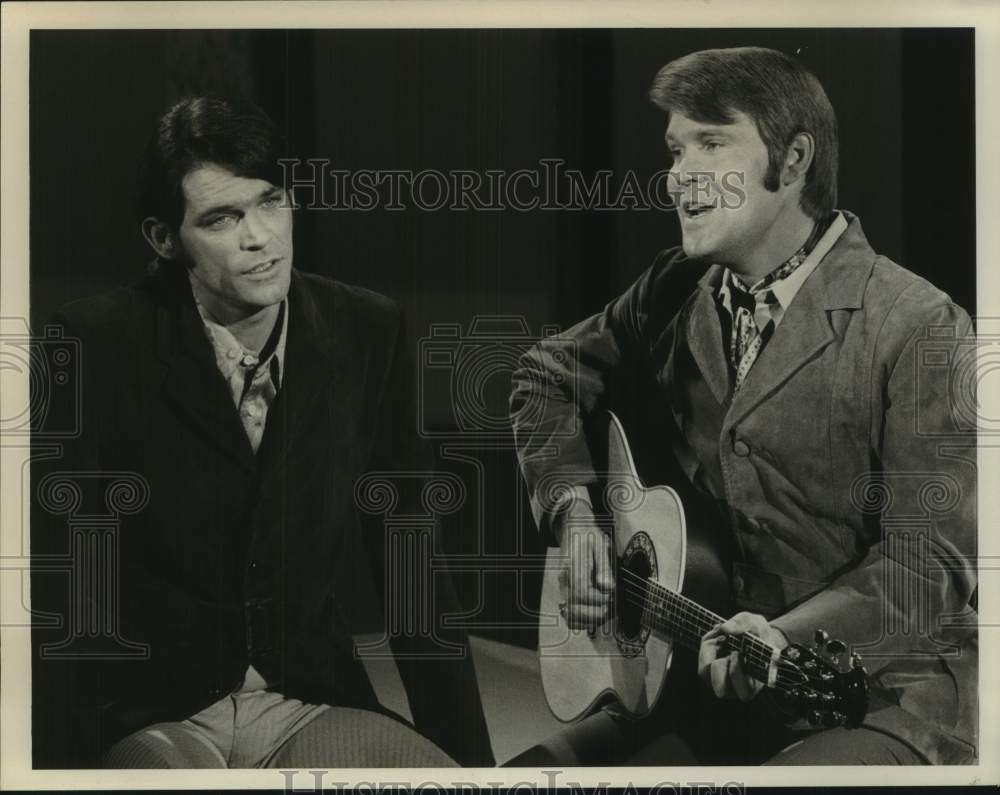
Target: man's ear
[161, 238]
[798, 158]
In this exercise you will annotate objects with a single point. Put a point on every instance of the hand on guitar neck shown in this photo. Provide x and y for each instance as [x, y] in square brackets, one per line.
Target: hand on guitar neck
[722, 669]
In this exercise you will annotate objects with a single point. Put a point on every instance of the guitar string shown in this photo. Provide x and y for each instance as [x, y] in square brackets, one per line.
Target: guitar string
[687, 618]
[781, 667]
[693, 620]
[669, 600]
[755, 651]
[795, 687]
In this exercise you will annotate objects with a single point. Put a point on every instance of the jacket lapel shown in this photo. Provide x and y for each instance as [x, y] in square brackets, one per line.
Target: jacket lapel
[316, 350]
[314, 353]
[838, 282]
[802, 334]
[704, 335]
[193, 384]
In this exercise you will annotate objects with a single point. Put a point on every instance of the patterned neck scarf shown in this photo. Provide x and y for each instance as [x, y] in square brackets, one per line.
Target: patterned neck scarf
[755, 310]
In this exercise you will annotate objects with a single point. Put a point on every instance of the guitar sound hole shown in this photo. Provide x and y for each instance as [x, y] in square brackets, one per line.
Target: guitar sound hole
[636, 568]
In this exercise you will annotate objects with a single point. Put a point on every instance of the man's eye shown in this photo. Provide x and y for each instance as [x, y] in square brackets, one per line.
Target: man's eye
[272, 201]
[221, 222]
[711, 146]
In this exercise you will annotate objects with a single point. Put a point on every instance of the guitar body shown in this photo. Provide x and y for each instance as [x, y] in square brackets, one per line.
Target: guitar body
[656, 559]
[620, 662]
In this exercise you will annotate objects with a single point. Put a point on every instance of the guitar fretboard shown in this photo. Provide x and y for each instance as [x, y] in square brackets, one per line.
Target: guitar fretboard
[686, 622]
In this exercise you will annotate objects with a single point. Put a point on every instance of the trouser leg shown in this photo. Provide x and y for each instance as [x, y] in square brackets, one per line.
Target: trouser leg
[848, 747]
[346, 737]
[164, 745]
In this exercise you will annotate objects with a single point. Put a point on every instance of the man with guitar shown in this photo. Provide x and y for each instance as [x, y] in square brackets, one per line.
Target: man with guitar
[782, 368]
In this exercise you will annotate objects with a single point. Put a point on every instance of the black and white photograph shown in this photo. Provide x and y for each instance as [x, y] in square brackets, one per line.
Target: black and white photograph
[435, 399]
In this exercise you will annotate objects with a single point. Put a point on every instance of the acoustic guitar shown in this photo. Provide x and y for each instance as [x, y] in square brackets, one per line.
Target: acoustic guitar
[625, 661]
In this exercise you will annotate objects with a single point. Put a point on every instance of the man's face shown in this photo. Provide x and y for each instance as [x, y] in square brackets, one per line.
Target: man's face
[237, 236]
[726, 213]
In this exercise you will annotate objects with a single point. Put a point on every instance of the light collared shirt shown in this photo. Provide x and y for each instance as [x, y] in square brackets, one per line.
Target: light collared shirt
[254, 384]
[785, 289]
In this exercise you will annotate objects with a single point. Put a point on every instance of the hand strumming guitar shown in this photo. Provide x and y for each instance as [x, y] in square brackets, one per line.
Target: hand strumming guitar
[725, 674]
[587, 576]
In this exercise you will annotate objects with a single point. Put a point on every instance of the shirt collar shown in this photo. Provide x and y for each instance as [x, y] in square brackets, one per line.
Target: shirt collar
[785, 289]
[230, 354]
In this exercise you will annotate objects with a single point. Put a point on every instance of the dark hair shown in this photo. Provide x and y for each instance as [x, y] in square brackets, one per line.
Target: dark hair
[201, 130]
[779, 94]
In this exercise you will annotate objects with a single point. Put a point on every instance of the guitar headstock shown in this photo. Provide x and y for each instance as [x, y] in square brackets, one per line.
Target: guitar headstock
[817, 684]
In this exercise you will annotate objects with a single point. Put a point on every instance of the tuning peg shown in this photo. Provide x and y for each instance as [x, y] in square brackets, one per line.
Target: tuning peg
[820, 637]
[834, 719]
[836, 647]
[815, 717]
[855, 660]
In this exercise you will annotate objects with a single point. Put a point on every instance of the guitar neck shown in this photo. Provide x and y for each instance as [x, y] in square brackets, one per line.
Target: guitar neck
[686, 622]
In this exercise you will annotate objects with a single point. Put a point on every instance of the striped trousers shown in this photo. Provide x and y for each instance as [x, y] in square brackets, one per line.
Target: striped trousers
[259, 729]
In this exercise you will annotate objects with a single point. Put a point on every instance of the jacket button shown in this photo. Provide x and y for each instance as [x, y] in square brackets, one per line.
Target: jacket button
[741, 448]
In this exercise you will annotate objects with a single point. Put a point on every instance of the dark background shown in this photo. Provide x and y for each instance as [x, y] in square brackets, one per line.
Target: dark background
[483, 99]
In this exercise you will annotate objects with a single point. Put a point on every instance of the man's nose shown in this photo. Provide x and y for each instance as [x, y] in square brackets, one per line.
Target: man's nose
[256, 231]
[689, 167]
[692, 177]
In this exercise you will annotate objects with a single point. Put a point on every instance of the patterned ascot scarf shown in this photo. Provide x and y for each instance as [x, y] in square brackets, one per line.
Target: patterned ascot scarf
[755, 311]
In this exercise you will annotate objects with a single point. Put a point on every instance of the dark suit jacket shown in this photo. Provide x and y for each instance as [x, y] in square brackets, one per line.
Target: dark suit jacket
[236, 557]
[846, 464]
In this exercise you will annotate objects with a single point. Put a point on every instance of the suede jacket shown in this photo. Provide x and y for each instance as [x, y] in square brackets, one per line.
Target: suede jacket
[845, 465]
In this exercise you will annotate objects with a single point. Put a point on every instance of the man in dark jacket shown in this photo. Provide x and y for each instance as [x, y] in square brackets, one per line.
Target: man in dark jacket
[231, 408]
